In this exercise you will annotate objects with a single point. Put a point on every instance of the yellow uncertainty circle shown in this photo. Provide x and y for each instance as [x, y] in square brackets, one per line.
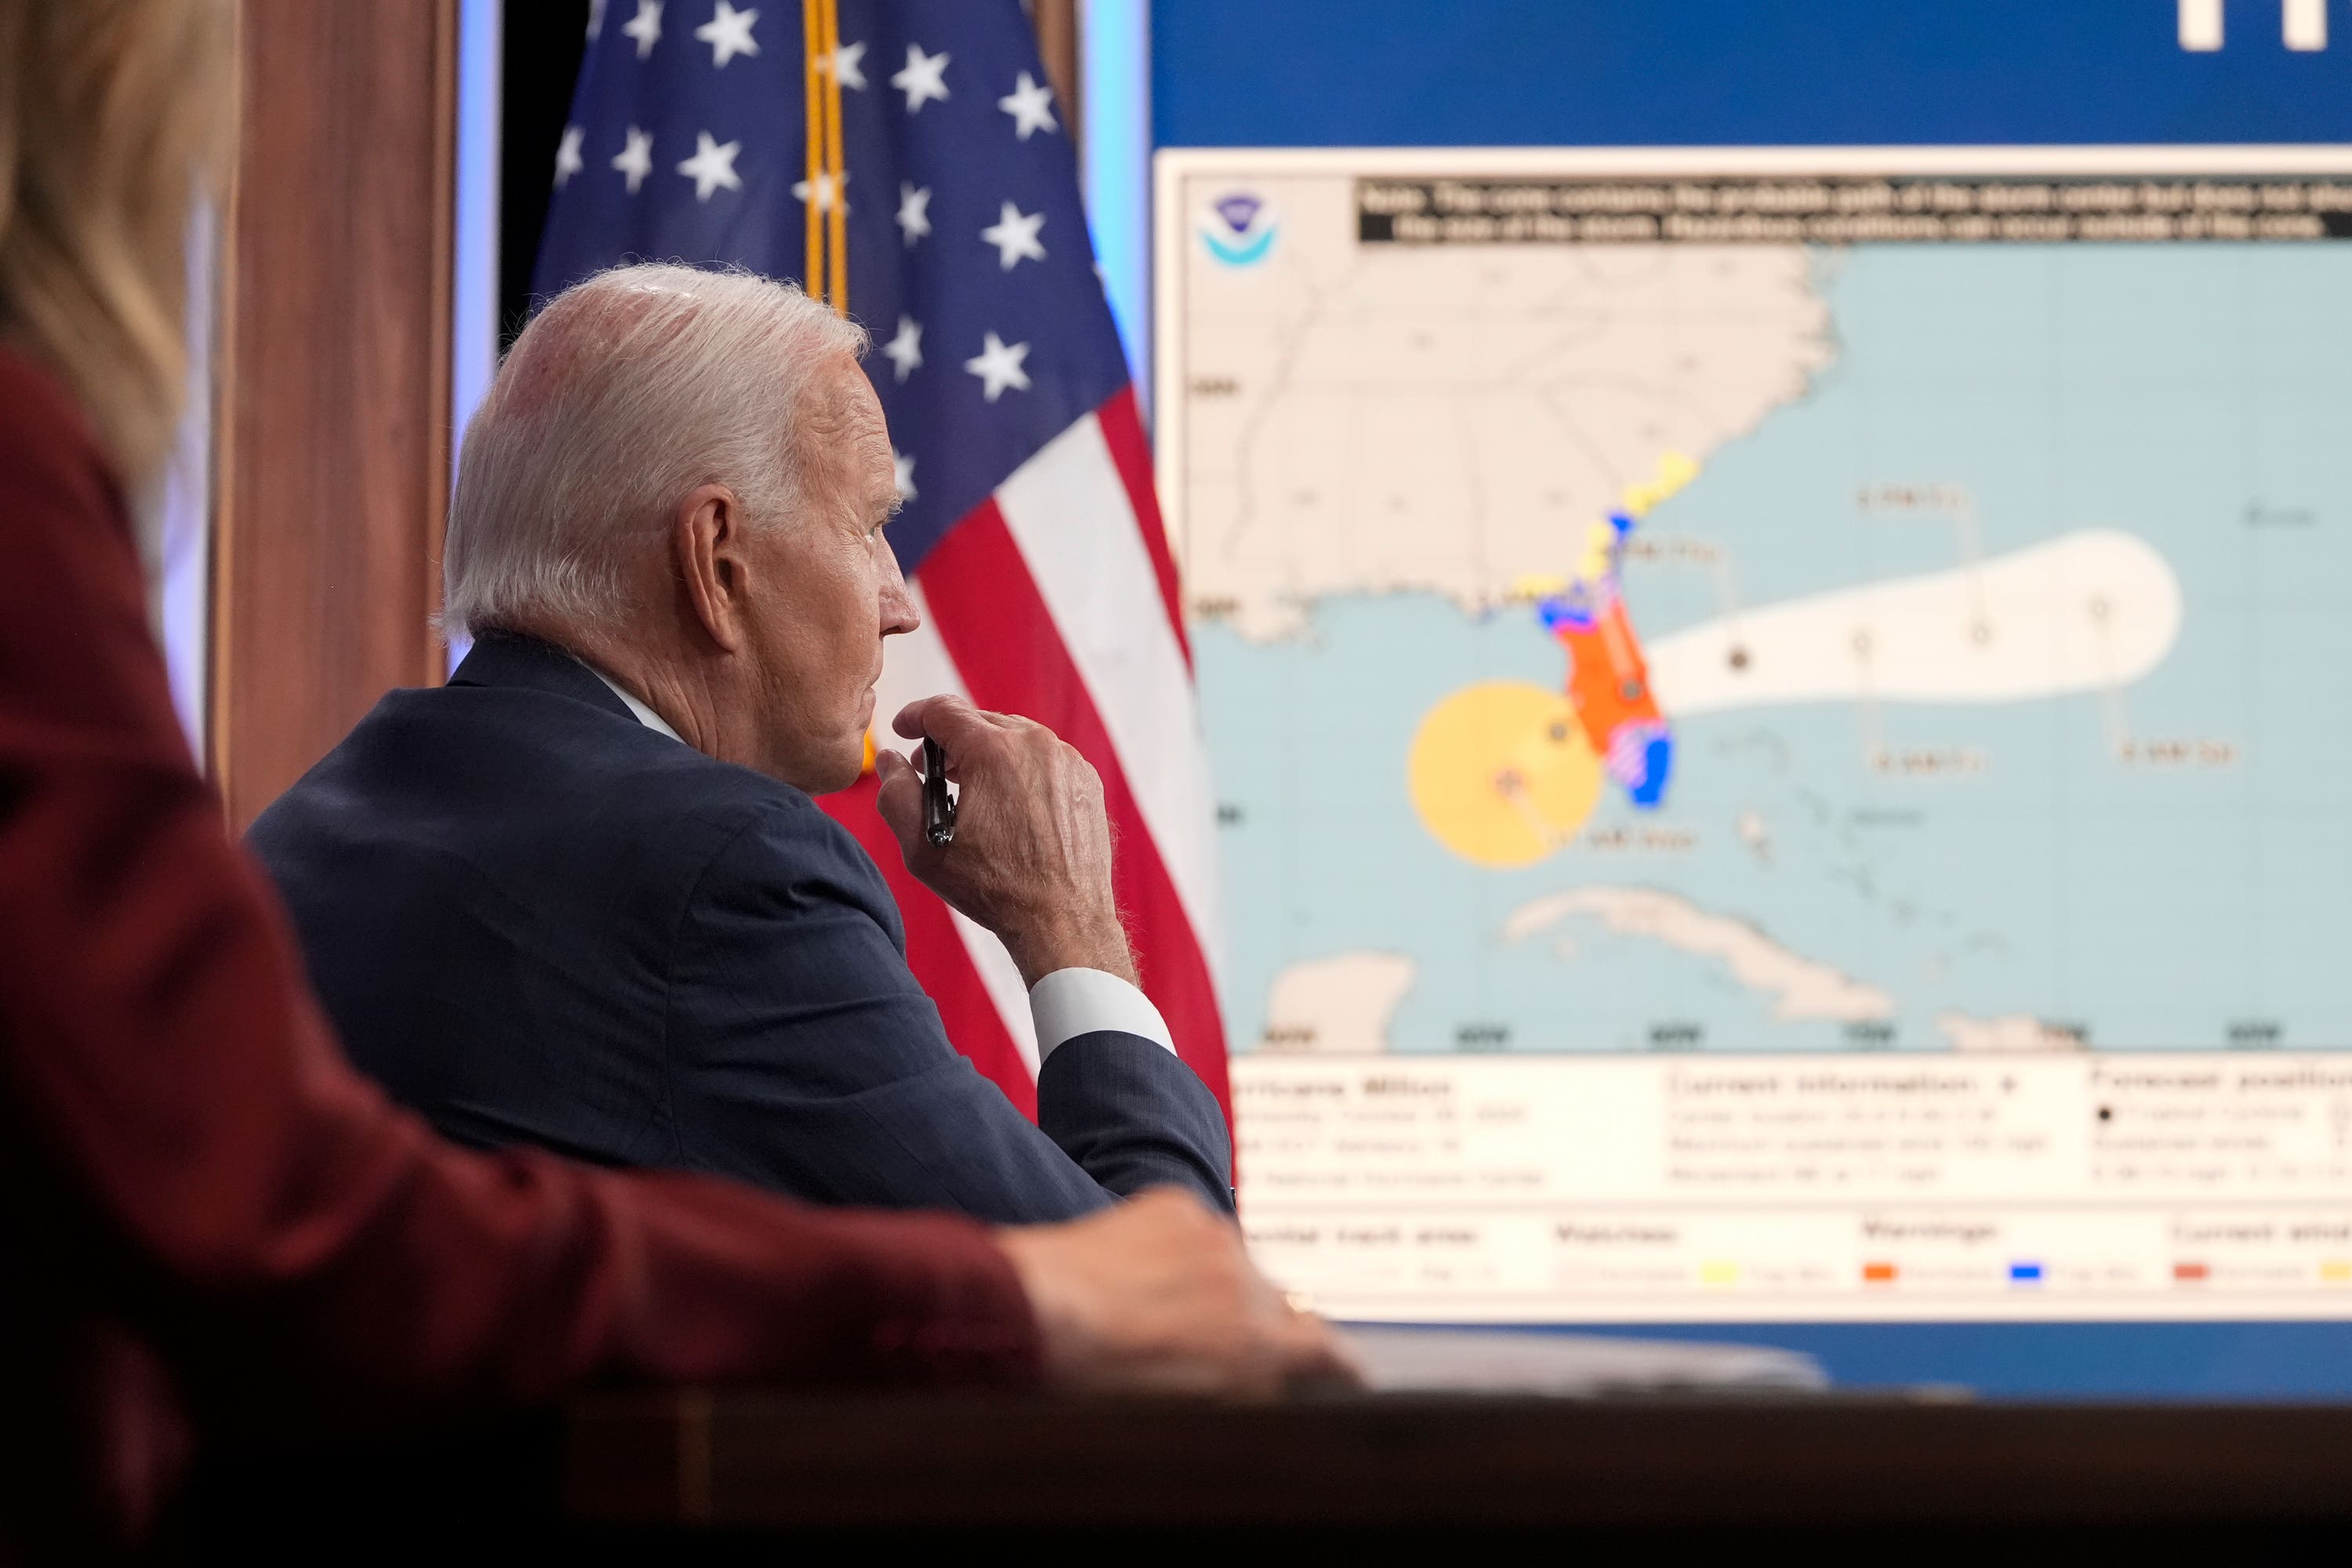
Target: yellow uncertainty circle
[1501, 773]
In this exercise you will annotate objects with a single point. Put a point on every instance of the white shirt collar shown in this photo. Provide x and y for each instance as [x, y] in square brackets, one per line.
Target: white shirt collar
[645, 716]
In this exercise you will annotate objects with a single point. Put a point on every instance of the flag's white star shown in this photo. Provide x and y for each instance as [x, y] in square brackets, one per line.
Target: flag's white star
[595, 19]
[924, 79]
[903, 462]
[823, 192]
[1031, 106]
[636, 159]
[999, 367]
[914, 210]
[712, 166]
[1015, 237]
[905, 352]
[844, 64]
[646, 27]
[729, 34]
[567, 156]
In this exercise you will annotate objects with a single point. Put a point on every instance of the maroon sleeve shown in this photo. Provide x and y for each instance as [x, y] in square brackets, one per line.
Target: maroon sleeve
[202, 1158]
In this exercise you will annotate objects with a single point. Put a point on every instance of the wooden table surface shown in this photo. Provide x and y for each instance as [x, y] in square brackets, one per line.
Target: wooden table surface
[772, 1463]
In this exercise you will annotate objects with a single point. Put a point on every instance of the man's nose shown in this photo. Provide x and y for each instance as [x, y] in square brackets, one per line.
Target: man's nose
[898, 612]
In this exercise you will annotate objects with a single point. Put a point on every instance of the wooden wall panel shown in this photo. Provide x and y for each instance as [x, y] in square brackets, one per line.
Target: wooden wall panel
[332, 445]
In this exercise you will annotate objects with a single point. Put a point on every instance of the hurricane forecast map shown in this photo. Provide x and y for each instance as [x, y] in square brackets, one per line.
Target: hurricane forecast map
[1767, 603]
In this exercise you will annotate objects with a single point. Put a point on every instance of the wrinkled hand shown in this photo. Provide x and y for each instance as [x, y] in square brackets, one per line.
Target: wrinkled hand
[1157, 1296]
[1032, 856]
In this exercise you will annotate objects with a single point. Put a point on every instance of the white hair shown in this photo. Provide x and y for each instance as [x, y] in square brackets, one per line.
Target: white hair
[631, 388]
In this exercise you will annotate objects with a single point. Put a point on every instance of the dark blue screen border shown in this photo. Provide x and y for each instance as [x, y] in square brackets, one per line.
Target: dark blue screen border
[1535, 73]
[2273, 1361]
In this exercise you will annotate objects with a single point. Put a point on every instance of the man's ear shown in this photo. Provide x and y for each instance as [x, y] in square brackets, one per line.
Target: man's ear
[706, 542]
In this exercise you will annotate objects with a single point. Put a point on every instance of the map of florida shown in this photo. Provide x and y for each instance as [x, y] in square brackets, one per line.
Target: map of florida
[1608, 680]
[1504, 772]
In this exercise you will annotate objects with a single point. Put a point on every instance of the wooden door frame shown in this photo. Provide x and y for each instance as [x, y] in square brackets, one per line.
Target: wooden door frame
[331, 441]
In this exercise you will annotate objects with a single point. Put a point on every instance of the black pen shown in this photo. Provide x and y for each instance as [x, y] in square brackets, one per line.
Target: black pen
[939, 806]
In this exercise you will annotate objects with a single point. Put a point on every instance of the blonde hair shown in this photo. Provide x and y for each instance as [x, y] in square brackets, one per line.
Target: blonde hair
[113, 120]
[629, 389]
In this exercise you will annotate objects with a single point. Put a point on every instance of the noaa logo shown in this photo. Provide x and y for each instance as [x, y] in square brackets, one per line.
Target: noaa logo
[1238, 229]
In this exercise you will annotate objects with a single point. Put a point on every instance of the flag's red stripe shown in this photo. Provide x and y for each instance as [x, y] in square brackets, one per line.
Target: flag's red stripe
[996, 627]
[1122, 430]
[936, 953]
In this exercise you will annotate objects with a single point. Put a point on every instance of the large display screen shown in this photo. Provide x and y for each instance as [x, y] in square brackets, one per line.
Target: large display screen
[1780, 723]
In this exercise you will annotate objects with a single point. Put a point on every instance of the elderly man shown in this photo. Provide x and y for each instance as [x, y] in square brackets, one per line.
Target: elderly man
[581, 897]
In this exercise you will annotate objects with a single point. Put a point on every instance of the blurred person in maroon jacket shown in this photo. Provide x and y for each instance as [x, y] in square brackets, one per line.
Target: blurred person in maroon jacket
[209, 1224]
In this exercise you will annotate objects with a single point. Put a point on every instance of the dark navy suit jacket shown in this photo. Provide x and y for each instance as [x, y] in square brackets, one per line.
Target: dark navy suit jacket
[535, 919]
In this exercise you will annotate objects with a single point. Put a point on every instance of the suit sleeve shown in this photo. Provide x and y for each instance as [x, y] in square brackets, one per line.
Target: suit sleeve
[183, 1146]
[810, 1059]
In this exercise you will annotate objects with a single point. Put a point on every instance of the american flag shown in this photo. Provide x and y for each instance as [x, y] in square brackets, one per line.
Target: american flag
[906, 159]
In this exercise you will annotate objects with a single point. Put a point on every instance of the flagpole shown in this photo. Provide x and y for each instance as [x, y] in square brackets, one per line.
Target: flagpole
[812, 28]
[836, 189]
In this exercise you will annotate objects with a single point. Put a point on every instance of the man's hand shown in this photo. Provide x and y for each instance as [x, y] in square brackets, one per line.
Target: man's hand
[1032, 856]
[1157, 1296]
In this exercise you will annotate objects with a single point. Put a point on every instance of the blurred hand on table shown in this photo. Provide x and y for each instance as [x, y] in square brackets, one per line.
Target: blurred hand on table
[1158, 1296]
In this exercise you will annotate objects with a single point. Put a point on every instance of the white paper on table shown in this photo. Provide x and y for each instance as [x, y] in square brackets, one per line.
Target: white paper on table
[1503, 1361]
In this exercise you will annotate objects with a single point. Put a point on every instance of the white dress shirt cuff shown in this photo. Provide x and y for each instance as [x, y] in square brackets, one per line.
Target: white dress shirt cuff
[1072, 1002]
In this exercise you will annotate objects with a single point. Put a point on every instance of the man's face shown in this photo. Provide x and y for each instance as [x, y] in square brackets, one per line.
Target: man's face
[824, 592]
